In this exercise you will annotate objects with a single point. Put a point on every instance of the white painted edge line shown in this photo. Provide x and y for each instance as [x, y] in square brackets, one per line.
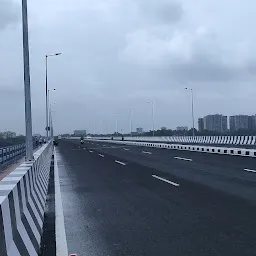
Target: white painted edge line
[61, 239]
[182, 158]
[168, 181]
[145, 152]
[249, 170]
[101, 155]
[118, 162]
[90, 151]
[127, 149]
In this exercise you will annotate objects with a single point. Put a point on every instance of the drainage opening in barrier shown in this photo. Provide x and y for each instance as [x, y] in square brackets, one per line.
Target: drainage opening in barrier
[247, 153]
[239, 152]
[225, 151]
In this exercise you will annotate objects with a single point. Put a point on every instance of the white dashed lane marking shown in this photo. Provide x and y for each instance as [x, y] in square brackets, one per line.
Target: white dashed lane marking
[165, 180]
[146, 152]
[249, 170]
[118, 162]
[182, 158]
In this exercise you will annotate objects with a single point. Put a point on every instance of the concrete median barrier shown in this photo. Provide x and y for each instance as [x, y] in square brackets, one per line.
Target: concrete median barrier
[196, 148]
[22, 204]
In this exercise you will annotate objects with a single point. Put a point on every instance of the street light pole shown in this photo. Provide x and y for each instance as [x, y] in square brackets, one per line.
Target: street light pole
[46, 93]
[192, 108]
[49, 105]
[131, 122]
[28, 116]
[193, 118]
[116, 127]
[153, 116]
[50, 115]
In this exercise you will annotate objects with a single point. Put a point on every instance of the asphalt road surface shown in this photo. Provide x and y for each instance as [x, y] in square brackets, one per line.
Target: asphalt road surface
[128, 200]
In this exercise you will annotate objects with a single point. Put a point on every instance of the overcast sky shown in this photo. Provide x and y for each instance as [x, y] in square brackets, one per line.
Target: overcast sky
[120, 54]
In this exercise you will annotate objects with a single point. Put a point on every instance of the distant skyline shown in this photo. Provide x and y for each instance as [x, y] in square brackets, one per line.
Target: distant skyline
[120, 54]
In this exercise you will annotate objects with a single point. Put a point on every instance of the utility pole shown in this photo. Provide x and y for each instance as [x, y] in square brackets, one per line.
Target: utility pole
[28, 116]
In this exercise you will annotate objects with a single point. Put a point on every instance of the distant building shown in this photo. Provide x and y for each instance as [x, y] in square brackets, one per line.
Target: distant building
[200, 124]
[252, 123]
[139, 130]
[215, 123]
[239, 122]
[182, 128]
[80, 132]
[242, 122]
[8, 135]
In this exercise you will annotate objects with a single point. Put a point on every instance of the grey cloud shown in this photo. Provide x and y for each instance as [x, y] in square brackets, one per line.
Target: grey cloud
[119, 54]
[9, 13]
[201, 68]
[186, 55]
[161, 11]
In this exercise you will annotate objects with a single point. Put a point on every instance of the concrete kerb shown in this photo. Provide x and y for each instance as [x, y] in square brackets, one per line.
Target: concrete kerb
[22, 204]
[195, 148]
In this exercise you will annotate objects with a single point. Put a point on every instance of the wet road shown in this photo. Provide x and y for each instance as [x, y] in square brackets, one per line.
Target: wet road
[141, 201]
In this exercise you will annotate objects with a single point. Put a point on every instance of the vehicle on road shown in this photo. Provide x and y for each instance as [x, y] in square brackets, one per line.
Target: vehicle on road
[55, 142]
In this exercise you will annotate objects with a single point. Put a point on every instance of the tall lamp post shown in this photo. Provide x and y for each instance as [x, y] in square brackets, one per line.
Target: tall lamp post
[27, 93]
[131, 122]
[49, 105]
[153, 115]
[192, 108]
[51, 118]
[46, 92]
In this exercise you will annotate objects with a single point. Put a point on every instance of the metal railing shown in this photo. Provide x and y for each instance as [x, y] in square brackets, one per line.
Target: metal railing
[8, 154]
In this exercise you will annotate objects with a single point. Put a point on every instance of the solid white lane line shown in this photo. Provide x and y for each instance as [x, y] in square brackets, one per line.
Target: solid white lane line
[182, 158]
[127, 149]
[90, 151]
[168, 181]
[249, 170]
[61, 240]
[118, 162]
[101, 155]
[145, 152]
